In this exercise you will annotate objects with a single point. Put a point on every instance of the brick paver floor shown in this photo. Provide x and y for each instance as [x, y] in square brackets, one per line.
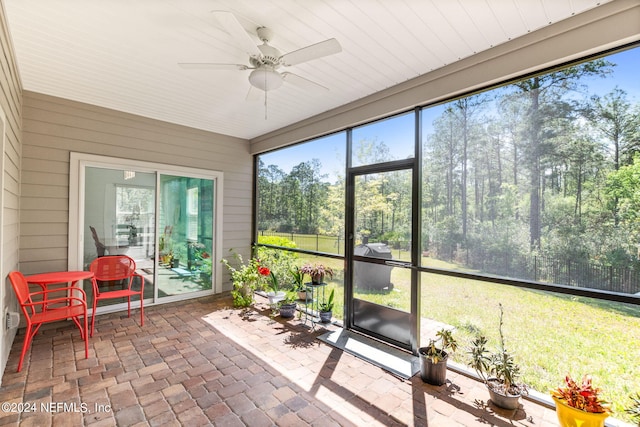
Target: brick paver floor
[201, 362]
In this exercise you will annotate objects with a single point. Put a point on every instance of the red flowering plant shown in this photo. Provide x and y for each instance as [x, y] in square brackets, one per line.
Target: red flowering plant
[583, 396]
[246, 279]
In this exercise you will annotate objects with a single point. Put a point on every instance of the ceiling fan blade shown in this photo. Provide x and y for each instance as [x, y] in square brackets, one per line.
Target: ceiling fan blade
[231, 24]
[301, 82]
[212, 66]
[314, 51]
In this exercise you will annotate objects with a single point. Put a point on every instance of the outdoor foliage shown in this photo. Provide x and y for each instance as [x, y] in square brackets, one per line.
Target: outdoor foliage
[539, 173]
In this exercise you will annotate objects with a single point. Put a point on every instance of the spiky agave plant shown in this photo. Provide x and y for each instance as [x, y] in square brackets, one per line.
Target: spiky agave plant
[634, 409]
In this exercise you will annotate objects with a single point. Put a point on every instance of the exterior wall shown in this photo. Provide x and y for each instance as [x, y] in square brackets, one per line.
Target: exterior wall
[54, 127]
[11, 111]
[610, 25]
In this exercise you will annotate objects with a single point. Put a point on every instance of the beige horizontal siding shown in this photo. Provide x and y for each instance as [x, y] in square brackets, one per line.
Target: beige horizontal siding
[54, 127]
[11, 105]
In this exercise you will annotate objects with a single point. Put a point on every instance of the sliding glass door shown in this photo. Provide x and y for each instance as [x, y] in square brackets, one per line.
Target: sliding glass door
[166, 218]
[119, 217]
[185, 240]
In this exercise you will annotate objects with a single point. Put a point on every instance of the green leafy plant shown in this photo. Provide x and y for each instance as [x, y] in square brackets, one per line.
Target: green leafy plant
[447, 344]
[245, 278]
[583, 396]
[634, 409]
[327, 306]
[317, 271]
[298, 279]
[273, 282]
[279, 261]
[289, 298]
[498, 370]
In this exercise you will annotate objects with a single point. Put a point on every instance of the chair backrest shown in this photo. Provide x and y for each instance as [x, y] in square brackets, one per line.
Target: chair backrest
[20, 287]
[113, 267]
[99, 245]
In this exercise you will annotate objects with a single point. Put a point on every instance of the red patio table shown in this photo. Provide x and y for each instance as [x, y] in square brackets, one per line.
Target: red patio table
[45, 279]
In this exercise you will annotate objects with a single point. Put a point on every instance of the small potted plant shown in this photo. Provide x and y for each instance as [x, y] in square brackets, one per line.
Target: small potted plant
[433, 357]
[287, 305]
[498, 370]
[298, 282]
[326, 308]
[580, 404]
[317, 272]
[634, 409]
[275, 294]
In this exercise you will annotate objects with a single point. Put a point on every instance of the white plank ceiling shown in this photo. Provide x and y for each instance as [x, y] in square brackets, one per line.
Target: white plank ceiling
[123, 54]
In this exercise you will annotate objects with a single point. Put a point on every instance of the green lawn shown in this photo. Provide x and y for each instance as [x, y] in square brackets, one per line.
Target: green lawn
[551, 334]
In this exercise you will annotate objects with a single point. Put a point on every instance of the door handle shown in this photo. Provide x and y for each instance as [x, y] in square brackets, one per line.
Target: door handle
[399, 264]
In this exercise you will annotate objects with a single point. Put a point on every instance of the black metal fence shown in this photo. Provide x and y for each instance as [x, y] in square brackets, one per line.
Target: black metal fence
[528, 267]
[558, 270]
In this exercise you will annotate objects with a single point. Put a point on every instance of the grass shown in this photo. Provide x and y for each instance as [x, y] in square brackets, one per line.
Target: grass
[550, 334]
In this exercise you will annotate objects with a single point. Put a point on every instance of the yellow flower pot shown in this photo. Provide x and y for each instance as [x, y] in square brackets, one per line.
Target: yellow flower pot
[572, 417]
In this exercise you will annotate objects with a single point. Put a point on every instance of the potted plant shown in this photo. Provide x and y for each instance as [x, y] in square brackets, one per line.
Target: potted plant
[245, 278]
[433, 357]
[275, 294]
[205, 272]
[298, 282]
[498, 370]
[287, 306]
[634, 409]
[317, 272]
[579, 404]
[326, 308]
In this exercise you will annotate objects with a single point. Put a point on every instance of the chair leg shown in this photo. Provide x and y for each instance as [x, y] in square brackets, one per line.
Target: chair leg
[86, 336]
[141, 311]
[93, 314]
[129, 306]
[25, 345]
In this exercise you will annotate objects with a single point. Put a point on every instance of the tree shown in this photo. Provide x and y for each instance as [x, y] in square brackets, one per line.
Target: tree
[614, 118]
[543, 93]
[618, 123]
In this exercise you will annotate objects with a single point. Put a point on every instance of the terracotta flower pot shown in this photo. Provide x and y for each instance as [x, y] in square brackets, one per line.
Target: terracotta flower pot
[572, 417]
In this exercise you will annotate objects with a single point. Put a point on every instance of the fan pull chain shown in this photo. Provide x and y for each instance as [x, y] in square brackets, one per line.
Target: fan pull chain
[266, 89]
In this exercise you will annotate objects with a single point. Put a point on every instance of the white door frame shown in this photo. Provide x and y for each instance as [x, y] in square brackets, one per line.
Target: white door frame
[78, 163]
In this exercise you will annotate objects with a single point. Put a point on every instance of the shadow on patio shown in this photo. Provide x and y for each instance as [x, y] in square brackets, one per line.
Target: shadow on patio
[200, 362]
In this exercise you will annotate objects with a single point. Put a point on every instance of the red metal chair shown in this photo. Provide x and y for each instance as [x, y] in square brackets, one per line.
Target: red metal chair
[49, 309]
[116, 268]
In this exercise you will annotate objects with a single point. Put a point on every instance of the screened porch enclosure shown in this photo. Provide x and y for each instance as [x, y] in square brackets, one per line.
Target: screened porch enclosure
[526, 199]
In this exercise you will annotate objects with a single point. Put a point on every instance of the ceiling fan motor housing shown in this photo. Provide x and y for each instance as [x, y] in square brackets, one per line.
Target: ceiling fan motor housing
[270, 56]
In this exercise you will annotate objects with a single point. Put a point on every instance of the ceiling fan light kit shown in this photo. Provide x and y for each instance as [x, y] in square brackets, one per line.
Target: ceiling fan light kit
[265, 79]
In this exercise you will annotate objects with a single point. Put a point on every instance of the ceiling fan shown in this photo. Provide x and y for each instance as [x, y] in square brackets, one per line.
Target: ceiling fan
[265, 60]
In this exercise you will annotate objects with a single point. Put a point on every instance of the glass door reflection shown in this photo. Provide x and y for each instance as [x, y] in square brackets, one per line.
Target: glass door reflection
[119, 217]
[185, 227]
